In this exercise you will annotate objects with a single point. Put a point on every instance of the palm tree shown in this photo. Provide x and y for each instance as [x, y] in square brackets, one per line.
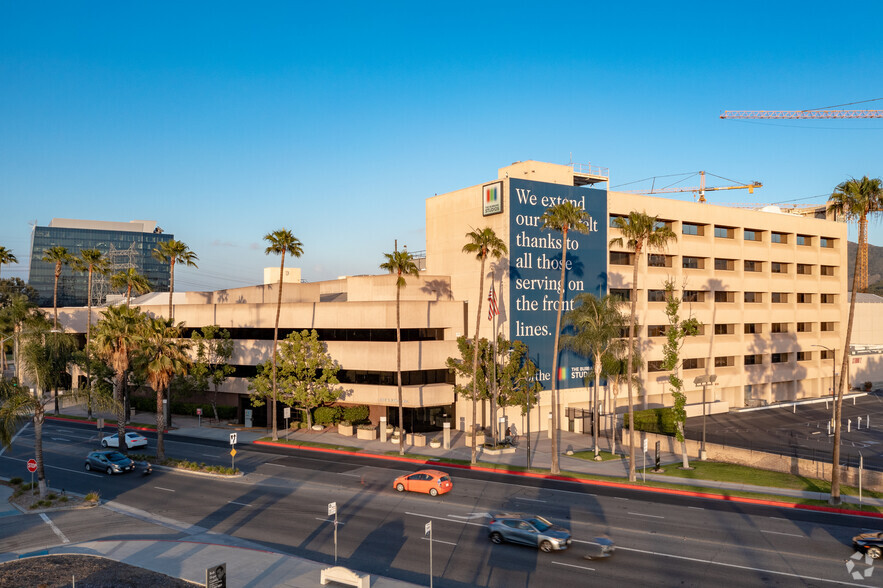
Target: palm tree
[91, 261]
[162, 354]
[563, 217]
[6, 256]
[482, 243]
[130, 280]
[171, 252]
[855, 200]
[401, 264]
[60, 257]
[638, 231]
[17, 313]
[598, 324]
[118, 335]
[280, 242]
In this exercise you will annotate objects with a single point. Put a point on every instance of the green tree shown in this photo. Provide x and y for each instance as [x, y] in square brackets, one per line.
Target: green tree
[675, 335]
[518, 383]
[855, 200]
[306, 375]
[161, 355]
[563, 217]
[401, 264]
[14, 316]
[214, 348]
[464, 366]
[118, 335]
[281, 241]
[482, 243]
[60, 257]
[172, 252]
[598, 325]
[91, 261]
[130, 280]
[615, 371]
[6, 256]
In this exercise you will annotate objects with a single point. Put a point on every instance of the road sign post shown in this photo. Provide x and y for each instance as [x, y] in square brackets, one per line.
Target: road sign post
[332, 510]
[427, 530]
[233, 450]
[32, 467]
[286, 412]
[199, 416]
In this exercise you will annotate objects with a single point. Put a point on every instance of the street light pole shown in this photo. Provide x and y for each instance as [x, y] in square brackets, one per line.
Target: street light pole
[704, 381]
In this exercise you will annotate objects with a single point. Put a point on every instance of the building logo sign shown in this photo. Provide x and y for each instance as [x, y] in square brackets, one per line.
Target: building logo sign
[535, 271]
[492, 198]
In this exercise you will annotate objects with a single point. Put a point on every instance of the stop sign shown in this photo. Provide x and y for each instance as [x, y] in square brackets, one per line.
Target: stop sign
[32, 465]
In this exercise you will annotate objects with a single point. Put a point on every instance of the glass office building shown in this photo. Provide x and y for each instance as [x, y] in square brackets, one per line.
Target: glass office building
[125, 244]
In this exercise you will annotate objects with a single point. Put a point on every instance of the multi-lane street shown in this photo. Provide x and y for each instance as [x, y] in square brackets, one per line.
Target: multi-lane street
[282, 503]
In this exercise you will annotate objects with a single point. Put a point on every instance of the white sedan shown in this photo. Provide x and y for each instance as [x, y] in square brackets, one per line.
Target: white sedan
[132, 440]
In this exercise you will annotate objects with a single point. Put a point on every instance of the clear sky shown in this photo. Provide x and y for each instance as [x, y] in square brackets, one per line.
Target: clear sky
[225, 121]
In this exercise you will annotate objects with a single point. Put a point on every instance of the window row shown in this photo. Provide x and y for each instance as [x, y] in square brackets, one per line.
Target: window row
[698, 363]
[751, 328]
[725, 296]
[723, 264]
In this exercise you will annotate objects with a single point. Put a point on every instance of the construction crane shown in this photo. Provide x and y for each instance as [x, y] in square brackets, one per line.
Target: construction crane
[701, 189]
[802, 114]
[862, 268]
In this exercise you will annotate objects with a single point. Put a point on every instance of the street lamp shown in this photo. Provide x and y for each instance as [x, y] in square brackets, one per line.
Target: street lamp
[704, 381]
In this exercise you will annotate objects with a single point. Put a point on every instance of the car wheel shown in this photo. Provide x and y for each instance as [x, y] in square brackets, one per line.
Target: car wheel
[109, 471]
[400, 487]
[496, 538]
[546, 547]
[874, 552]
[104, 442]
[88, 467]
[433, 492]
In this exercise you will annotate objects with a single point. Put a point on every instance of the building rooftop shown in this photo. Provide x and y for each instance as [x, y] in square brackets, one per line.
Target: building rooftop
[134, 226]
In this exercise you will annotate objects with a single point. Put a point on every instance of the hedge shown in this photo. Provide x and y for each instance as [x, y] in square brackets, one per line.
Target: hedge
[326, 415]
[356, 414]
[184, 408]
[654, 420]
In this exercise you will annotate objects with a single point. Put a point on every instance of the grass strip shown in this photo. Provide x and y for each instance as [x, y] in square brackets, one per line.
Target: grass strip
[298, 442]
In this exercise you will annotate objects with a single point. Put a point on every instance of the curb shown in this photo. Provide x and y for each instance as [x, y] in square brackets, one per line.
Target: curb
[560, 478]
[88, 422]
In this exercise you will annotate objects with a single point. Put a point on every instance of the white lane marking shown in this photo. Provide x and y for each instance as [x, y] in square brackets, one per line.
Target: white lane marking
[161, 488]
[696, 507]
[55, 529]
[329, 521]
[558, 563]
[60, 439]
[351, 475]
[278, 465]
[619, 498]
[779, 518]
[530, 499]
[239, 503]
[417, 514]
[738, 567]
[780, 533]
[439, 541]
[640, 514]
[208, 454]
[472, 515]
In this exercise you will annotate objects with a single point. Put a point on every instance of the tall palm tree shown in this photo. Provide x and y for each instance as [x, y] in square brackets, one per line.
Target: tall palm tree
[401, 264]
[598, 324]
[162, 355]
[60, 257]
[855, 200]
[172, 252]
[482, 243]
[130, 280]
[17, 313]
[281, 241]
[563, 217]
[118, 335]
[91, 261]
[6, 256]
[639, 231]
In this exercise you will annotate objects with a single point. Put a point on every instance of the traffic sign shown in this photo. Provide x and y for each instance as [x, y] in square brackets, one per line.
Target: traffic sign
[286, 412]
[232, 453]
[332, 508]
[32, 465]
[198, 412]
[232, 438]
[427, 529]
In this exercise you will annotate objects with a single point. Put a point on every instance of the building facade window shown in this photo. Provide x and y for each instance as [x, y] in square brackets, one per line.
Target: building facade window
[624, 294]
[753, 359]
[778, 237]
[658, 260]
[827, 298]
[826, 270]
[694, 363]
[724, 329]
[804, 298]
[723, 264]
[826, 327]
[826, 242]
[656, 331]
[804, 355]
[723, 232]
[826, 354]
[691, 229]
[754, 297]
[620, 258]
[804, 327]
[654, 366]
[752, 235]
[779, 328]
[753, 328]
[804, 240]
[777, 267]
[724, 361]
[613, 218]
[655, 295]
[804, 269]
[723, 296]
[753, 266]
[779, 358]
[688, 262]
[779, 297]
[694, 296]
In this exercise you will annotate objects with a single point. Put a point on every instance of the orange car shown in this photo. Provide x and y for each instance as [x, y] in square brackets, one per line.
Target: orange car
[433, 482]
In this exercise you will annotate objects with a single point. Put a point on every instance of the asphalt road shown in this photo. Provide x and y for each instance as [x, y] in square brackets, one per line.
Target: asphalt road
[282, 503]
[802, 431]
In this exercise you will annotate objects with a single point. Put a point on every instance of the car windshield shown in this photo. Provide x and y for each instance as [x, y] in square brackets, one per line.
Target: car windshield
[540, 523]
[115, 456]
[444, 478]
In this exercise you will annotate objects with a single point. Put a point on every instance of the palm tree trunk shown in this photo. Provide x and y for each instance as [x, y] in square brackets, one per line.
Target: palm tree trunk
[844, 378]
[88, 351]
[55, 296]
[399, 368]
[275, 343]
[595, 419]
[160, 425]
[120, 409]
[171, 285]
[128, 295]
[475, 362]
[629, 368]
[555, 469]
[38, 449]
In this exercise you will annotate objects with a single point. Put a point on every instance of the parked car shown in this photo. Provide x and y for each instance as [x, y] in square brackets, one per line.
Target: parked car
[109, 461]
[528, 529]
[433, 482]
[870, 543]
[133, 440]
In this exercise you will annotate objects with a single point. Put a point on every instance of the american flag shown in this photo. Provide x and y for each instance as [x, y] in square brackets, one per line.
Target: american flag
[492, 310]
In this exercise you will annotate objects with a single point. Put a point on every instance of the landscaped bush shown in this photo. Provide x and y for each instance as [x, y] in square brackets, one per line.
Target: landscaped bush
[326, 415]
[356, 414]
[184, 408]
[654, 420]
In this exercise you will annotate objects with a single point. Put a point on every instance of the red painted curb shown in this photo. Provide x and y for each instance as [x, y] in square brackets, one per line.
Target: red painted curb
[671, 491]
[67, 420]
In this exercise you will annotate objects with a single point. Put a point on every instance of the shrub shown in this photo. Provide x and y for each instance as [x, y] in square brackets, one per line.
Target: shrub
[184, 408]
[868, 386]
[367, 427]
[356, 414]
[326, 415]
[92, 496]
[345, 423]
[655, 420]
[15, 481]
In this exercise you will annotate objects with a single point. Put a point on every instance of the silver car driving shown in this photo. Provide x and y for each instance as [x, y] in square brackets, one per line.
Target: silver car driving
[109, 461]
[530, 530]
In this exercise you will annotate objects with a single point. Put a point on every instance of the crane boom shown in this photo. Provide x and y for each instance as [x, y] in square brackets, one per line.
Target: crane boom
[701, 189]
[802, 114]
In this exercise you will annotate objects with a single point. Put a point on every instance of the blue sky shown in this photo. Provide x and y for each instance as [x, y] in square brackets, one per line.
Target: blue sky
[225, 121]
